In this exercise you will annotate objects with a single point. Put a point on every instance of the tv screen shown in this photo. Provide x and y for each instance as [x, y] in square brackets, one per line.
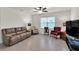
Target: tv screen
[72, 27]
[75, 23]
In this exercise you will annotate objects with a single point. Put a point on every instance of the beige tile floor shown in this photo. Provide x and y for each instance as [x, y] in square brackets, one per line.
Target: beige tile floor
[38, 43]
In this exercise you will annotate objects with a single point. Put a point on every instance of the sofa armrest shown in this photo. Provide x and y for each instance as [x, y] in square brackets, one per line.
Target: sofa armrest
[6, 40]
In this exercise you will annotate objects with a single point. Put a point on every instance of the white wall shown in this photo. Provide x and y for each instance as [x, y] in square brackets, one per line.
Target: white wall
[26, 16]
[61, 17]
[0, 28]
[12, 18]
[74, 13]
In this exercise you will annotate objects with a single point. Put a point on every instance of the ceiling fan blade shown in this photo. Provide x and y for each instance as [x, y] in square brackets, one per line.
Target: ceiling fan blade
[45, 11]
[35, 8]
[40, 9]
[44, 8]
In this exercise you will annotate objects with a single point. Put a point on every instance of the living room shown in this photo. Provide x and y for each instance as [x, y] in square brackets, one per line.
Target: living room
[15, 17]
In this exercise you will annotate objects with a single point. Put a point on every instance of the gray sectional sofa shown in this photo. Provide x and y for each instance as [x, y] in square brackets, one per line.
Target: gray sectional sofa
[14, 35]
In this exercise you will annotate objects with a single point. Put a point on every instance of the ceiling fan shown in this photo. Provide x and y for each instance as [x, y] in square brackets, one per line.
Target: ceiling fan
[40, 9]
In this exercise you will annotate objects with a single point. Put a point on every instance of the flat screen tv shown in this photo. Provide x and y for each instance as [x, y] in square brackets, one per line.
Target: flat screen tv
[72, 27]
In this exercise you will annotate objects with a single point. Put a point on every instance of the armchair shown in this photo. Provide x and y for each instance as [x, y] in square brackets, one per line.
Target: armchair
[56, 32]
[34, 30]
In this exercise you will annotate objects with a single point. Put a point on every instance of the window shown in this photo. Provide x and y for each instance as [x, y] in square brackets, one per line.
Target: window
[48, 22]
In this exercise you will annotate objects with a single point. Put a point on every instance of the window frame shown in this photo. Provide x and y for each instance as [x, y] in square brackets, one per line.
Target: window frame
[47, 22]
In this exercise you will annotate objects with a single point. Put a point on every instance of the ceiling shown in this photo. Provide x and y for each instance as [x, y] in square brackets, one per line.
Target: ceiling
[22, 8]
[50, 9]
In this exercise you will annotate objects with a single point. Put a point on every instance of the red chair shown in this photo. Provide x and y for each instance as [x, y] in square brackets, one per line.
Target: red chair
[55, 32]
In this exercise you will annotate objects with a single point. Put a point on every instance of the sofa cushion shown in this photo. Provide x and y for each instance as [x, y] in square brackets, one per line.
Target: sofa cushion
[24, 31]
[23, 28]
[13, 40]
[8, 37]
[10, 34]
[18, 29]
[10, 30]
[18, 37]
[19, 32]
[23, 35]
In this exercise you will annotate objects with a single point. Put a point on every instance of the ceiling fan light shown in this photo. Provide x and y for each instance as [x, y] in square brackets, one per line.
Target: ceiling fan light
[40, 12]
[37, 8]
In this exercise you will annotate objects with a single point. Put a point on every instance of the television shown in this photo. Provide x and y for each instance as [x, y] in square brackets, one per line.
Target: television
[72, 27]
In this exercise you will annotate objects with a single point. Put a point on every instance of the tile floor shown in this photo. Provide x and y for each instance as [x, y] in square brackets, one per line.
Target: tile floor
[38, 43]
